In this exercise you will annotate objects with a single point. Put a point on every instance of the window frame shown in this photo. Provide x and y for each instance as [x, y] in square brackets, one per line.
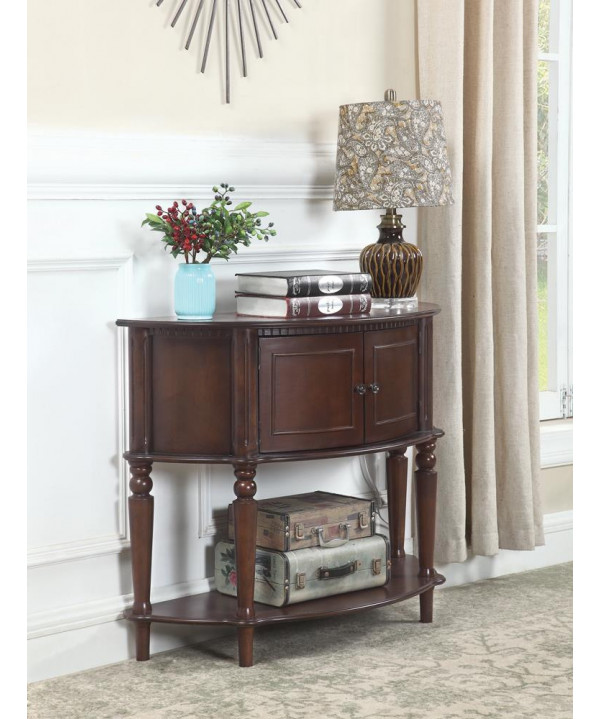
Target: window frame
[556, 401]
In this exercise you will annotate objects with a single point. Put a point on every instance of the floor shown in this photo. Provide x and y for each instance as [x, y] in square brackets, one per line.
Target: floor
[499, 648]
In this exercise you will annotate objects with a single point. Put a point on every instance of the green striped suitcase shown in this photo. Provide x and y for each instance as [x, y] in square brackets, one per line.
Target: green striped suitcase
[283, 578]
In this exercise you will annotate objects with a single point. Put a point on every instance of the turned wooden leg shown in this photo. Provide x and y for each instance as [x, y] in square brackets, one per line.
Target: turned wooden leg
[244, 517]
[426, 486]
[396, 472]
[141, 516]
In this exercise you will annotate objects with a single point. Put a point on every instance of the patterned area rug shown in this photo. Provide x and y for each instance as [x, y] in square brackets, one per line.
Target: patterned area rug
[499, 648]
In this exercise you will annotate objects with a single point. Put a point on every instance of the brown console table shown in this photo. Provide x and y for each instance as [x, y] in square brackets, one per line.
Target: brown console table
[244, 391]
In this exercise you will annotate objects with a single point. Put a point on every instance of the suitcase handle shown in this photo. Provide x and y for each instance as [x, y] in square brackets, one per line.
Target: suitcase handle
[334, 572]
[332, 542]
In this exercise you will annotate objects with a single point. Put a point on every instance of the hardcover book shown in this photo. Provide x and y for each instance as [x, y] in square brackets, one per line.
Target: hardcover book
[304, 283]
[314, 306]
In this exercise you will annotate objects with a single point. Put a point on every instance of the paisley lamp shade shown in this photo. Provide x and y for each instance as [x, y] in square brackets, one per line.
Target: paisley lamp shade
[392, 154]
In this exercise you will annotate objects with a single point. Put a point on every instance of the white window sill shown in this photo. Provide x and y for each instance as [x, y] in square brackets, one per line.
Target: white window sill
[556, 443]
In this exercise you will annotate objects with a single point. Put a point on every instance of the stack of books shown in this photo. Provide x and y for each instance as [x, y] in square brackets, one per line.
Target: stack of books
[303, 293]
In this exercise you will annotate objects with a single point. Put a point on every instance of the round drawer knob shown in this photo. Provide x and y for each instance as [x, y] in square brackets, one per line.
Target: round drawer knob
[374, 387]
[360, 389]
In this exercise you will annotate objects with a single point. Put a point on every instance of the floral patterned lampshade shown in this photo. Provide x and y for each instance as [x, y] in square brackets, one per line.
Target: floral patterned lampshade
[392, 154]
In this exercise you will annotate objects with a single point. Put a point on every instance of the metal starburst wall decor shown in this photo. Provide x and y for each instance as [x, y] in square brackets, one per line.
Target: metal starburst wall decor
[252, 13]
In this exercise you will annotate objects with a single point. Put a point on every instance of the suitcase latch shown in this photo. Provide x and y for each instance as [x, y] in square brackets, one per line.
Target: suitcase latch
[363, 520]
[299, 530]
[300, 580]
[376, 566]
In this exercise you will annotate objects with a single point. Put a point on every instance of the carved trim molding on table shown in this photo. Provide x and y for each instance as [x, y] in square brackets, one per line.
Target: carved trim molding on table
[188, 332]
[331, 329]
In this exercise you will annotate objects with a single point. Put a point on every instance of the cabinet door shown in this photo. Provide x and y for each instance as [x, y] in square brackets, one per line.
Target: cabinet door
[190, 395]
[307, 398]
[392, 371]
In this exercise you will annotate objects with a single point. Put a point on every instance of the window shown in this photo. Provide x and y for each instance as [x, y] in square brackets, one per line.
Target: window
[554, 191]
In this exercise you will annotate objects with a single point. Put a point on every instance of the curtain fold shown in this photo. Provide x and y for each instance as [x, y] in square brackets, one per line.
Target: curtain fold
[479, 58]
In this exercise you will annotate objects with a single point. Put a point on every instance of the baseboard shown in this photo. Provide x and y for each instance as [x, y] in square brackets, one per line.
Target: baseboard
[76, 638]
[558, 531]
[95, 646]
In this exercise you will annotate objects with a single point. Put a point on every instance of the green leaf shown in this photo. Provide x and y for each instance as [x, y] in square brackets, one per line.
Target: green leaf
[242, 206]
[261, 213]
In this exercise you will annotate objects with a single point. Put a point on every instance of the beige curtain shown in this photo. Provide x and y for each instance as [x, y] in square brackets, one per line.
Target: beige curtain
[479, 58]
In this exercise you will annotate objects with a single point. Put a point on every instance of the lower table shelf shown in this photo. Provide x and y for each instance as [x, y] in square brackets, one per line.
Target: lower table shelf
[215, 608]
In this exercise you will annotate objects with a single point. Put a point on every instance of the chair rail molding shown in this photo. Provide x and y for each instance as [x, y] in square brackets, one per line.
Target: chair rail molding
[292, 254]
[144, 167]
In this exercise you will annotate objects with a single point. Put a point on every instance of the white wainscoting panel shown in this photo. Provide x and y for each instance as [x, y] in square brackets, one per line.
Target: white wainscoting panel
[76, 407]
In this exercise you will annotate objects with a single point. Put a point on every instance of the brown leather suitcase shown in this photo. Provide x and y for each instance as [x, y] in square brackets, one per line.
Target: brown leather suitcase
[315, 519]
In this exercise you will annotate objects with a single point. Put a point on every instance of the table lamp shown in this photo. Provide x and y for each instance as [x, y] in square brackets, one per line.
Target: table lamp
[392, 154]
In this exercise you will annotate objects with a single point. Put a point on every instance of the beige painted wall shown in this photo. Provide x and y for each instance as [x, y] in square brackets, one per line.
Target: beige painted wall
[115, 66]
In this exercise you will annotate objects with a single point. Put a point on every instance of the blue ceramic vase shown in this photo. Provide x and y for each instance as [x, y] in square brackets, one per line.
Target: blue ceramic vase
[195, 292]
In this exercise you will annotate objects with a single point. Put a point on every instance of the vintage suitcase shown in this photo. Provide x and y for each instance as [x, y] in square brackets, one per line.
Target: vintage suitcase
[290, 577]
[310, 520]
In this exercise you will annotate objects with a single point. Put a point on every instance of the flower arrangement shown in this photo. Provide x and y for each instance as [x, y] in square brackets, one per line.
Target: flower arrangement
[215, 231]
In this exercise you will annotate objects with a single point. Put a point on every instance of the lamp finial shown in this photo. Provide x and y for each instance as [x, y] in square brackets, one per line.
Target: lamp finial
[390, 96]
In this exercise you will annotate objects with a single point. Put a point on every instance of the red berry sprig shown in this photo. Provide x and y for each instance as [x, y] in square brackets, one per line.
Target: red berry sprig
[216, 231]
[181, 228]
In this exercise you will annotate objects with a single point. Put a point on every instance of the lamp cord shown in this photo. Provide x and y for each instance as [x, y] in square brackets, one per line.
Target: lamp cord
[372, 485]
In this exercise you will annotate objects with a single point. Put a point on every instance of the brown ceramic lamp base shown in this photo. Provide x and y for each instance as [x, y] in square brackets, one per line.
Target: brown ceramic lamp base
[394, 265]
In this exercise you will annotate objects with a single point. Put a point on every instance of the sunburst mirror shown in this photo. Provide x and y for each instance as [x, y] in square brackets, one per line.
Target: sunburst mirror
[247, 15]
